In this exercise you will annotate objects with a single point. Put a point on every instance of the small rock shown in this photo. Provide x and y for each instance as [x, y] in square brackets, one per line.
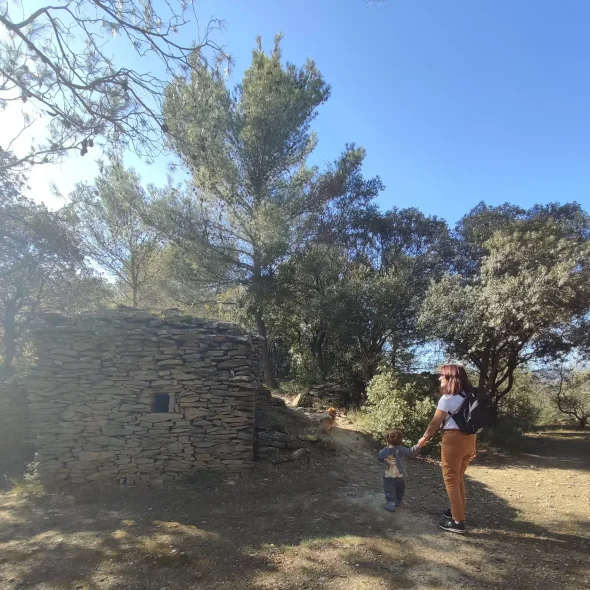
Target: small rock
[299, 453]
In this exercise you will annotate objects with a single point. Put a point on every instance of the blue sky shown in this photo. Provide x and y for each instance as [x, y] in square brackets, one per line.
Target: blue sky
[455, 101]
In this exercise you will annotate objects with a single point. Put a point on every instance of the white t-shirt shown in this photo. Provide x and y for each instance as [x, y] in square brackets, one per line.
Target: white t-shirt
[450, 403]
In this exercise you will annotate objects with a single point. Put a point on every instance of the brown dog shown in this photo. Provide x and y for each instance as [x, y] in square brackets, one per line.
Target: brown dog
[328, 420]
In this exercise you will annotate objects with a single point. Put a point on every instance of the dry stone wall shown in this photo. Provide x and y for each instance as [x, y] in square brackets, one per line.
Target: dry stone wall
[130, 397]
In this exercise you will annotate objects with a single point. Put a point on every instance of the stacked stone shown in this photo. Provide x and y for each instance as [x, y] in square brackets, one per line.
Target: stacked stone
[323, 396]
[279, 447]
[100, 377]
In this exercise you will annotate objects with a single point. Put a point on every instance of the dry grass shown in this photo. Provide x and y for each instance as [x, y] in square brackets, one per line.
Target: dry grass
[25, 487]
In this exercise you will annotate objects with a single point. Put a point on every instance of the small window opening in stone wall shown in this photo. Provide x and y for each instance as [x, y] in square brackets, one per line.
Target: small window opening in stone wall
[161, 403]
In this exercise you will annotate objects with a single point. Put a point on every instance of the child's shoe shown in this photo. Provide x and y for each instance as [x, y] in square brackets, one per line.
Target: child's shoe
[390, 506]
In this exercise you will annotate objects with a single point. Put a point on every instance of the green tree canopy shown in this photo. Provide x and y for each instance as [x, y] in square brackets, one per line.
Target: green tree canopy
[254, 194]
[566, 385]
[41, 265]
[516, 303]
[351, 298]
[113, 235]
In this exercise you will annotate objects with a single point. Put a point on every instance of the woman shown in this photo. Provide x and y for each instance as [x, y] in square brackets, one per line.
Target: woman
[458, 448]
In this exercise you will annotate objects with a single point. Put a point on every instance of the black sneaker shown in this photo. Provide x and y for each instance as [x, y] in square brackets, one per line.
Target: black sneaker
[448, 524]
[447, 514]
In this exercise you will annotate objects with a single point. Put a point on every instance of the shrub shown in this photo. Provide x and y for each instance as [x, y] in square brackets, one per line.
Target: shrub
[28, 485]
[572, 395]
[519, 406]
[507, 432]
[399, 401]
[518, 413]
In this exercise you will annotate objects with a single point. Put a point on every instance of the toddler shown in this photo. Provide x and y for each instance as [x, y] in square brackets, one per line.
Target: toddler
[394, 468]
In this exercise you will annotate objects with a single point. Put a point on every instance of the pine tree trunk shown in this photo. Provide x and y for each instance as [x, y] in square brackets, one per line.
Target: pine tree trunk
[134, 288]
[269, 375]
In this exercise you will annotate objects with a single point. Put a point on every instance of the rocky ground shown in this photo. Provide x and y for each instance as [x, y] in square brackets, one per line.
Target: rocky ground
[315, 523]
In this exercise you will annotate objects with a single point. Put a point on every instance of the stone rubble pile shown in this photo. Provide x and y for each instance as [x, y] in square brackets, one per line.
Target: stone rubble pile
[282, 436]
[135, 398]
[324, 396]
[279, 447]
[268, 400]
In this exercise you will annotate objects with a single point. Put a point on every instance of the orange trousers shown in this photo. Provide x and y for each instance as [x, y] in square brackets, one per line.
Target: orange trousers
[456, 451]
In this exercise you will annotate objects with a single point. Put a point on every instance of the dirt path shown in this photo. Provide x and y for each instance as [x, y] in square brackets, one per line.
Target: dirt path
[315, 526]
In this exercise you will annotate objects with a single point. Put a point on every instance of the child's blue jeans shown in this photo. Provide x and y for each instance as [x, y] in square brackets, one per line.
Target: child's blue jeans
[394, 488]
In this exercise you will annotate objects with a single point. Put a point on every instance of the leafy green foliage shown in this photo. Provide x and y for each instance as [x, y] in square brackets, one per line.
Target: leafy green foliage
[516, 303]
[254, 196]
[346, 302]
[518, 412]
[572, 395]
[41, 265]
[523, 404]
[113, 235]
[398, 401]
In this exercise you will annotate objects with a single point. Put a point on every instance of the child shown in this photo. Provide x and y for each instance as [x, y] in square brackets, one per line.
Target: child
[394, 468]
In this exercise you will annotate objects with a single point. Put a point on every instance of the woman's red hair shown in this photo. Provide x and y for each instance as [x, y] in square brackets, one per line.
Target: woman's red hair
[455, 380]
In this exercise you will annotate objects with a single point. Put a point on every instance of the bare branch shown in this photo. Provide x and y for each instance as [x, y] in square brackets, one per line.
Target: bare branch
[55, 60]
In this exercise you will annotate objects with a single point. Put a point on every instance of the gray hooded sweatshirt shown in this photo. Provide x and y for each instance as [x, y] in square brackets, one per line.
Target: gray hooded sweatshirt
[393, 459]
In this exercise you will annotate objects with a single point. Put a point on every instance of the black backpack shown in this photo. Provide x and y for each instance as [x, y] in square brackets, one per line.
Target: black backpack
[474, 413]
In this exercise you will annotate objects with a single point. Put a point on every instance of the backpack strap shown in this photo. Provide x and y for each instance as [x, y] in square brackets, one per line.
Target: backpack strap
[451, 414]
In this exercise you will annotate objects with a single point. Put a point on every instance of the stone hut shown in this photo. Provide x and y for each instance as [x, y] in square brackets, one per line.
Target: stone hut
[130, 397]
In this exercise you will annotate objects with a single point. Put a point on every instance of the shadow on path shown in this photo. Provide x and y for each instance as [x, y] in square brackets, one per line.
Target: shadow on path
[317, 526]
